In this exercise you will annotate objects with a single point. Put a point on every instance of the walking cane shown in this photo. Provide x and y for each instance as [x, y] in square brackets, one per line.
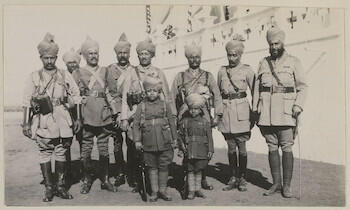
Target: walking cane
[297, 134]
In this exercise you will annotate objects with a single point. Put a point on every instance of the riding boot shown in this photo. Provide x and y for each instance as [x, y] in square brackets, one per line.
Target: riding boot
[87, 179]
[61, 182]
[287, 165]
[274, 161]
[242, 185]
[104, 177]
[46, 171]
[233, 183]
[120, 176]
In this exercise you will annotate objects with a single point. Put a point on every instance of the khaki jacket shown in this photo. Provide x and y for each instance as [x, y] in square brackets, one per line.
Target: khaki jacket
[236, 112]
[276, 109]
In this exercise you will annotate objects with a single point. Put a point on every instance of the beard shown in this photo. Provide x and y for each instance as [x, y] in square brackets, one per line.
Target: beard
[276, 53]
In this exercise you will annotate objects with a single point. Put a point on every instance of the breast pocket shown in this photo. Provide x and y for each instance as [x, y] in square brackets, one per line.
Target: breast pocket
[266, 78]
[285, 74]
[243, 109]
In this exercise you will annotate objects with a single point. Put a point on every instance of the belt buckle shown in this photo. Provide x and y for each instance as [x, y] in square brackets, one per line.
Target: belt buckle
[94, 93]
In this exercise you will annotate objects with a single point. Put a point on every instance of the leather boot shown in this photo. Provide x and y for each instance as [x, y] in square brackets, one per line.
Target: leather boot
[61, 182]
[120, 177]
[163, 181]
[104, 177]
[204, 182]
[87, 179]
[131, 164]
[242, 185]
[153, 178]
[233, 183]
[274, 161]
[191, 186]
[287, 165]
[49, 189]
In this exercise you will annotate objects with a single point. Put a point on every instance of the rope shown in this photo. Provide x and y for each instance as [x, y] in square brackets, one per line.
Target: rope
[189, 19]
[148, 19]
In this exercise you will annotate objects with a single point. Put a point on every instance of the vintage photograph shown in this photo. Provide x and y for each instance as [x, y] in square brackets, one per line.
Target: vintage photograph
[174, 105]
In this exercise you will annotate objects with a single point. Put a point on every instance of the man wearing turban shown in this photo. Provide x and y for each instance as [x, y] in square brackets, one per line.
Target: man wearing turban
[72, 60]
[187, 82]
[99, 110]
[46, 116]
[278, 99]
[234, 81]
[118, 73]
[133, 90]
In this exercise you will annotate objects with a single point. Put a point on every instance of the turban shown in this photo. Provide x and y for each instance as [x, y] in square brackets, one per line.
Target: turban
[48, 46]
[235, 44]
[195, 100]
[152, 83]
[146, 45]
[122, 43]
[89, 44]
[193, 50]
[71, 56]
[275, 34]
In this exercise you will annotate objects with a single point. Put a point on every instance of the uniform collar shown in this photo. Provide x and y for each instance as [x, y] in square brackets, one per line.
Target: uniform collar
[123, 68]
[91, 68]
[236, 67]
[144, 69]
[194, 72]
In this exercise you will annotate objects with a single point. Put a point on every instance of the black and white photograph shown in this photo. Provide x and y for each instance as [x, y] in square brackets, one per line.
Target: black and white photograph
[220, 104]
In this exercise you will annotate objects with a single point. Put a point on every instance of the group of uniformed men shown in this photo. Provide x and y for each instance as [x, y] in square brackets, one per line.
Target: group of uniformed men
[99, 102]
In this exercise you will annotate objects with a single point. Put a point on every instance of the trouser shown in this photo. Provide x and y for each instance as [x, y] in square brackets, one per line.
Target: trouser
[102, 134]
[51, 147]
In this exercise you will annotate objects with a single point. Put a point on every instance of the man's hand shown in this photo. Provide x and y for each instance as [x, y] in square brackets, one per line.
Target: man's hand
[78, 125]
[124, 125]
[296, 110]
[216, 120]
[27, 131]
[174, 144]
[116, 120]
[210, 155]
[138, 146]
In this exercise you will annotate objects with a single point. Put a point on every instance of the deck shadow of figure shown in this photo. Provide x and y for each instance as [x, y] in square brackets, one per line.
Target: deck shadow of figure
[221, 172]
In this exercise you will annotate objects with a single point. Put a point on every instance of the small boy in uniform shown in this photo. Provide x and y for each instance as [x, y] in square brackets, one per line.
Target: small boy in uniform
[155, 132]
[196, 143]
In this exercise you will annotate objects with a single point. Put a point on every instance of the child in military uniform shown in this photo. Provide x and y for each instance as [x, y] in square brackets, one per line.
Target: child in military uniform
[197, 143]
[155, 132]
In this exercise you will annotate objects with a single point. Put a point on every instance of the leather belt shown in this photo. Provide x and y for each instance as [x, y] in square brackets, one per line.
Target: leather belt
[276, 89]
[231, 96]
[96, 94]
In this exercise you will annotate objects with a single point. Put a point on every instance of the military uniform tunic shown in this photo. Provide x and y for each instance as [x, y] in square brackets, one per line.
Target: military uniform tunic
[98, 105]
[276, 109]
[187, 81]
[236, 112]
[48, 129]
[154, 126]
